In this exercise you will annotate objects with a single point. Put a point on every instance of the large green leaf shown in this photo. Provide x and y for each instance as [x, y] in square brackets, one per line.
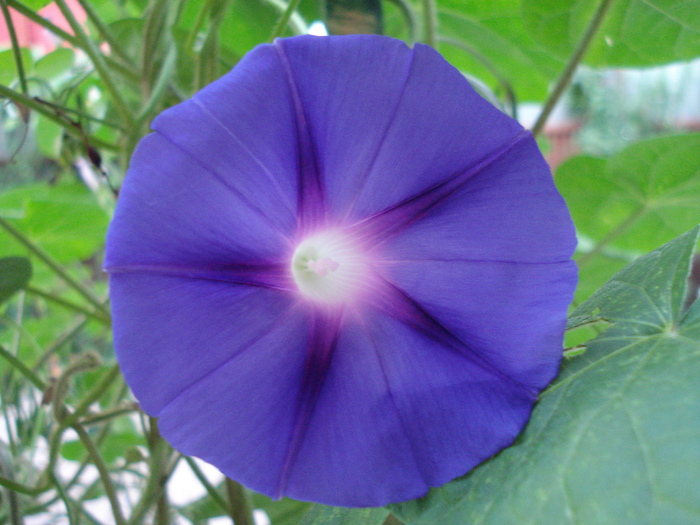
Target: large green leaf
[15, 273]
[323, 515]
[616, 438]
[494, 33]
[283, 511]
[634, 32]
[642, 197]
[65, 220]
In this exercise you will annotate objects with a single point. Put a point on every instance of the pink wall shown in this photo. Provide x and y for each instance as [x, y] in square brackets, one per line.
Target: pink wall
[33, 35]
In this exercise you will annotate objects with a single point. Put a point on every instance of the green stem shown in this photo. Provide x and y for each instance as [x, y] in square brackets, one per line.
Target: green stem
[15, 46]
[297, 23]
[621, 228]
[22, 368]
[159, 458]
[68, 305]
[55, 266]
[62, 339]
[104, 473]
[46, 111]
[241, 509]
[81, 114]
[104, 31]
[409, 16]
[156, 479]
[22, 489]
[198, 23]
[109, 414]
[126, 69]
[505, 85]
[97, 391]
[67, 502]
[284, 19]
[98, 61]
[159, 89]
[207, 486]
[430, 22]
[574, 61]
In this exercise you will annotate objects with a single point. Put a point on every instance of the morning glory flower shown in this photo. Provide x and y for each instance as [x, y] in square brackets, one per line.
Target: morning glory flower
[338, 274]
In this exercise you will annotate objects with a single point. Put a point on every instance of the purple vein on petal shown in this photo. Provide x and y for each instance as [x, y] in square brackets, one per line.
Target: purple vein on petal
[364, 175]
[227, 185]
[311, 207]
[325, 329]
[399, 416]
[398, 304]
[272, 181]
[381, 226]
[266, 275]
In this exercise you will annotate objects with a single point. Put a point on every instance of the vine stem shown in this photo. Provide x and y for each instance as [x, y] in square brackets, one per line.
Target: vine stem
[430, 22]
[211, 490]
[575, 60]
[15, 46]
[44, 109]
[68, 305]
[96, 57]
[55, 266]
[103, 472]
[240, 506]
[22, 368]
[104, 31]
[126, 69]
[284, 19]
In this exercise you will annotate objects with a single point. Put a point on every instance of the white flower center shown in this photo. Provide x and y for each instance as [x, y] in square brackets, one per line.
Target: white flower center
[328, 268]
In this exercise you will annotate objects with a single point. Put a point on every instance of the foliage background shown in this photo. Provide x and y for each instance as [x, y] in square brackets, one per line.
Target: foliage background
[615, 439]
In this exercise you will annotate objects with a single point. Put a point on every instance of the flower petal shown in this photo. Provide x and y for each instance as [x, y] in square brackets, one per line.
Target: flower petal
[182, 329]
[508, 211]
[241, 128]
[513, 315]
[391, 121]
[399, 413]
[165, 215]
[242, 416]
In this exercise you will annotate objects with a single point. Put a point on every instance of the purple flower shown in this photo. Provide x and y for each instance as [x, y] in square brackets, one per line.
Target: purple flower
[338, 274]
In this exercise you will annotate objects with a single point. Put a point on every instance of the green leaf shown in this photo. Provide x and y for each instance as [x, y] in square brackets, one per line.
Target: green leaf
[8, 66]
[281, 512]
[114, 446]
[55, 64]
[128, 32]
[248, 24]
[65, 220]
[15, 273]
[323, 515]
[36, 4]
[634, 33]
[49, 137]
[480, 32]
[640, 198]
[616, 438]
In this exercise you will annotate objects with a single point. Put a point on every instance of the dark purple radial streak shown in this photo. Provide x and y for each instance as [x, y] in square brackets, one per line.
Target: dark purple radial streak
[311, 206]
[399, 305]
[324, 330]
[266, 275]
[381, 226]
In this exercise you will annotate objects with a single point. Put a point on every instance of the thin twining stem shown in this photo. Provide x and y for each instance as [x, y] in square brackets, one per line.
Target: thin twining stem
[568, 73]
